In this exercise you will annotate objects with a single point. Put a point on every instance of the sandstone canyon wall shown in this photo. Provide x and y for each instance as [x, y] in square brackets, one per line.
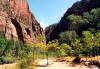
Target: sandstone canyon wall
[16, 21]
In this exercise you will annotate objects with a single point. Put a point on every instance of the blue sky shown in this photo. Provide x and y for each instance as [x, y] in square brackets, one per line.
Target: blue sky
[48, 12]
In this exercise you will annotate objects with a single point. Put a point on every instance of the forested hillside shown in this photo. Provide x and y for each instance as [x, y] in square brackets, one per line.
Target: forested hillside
[81, 16]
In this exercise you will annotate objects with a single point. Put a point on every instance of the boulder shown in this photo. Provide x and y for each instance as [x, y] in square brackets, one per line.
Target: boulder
[77, 59]
[44, 62]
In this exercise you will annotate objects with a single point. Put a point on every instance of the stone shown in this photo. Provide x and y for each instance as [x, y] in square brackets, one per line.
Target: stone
[44, 62]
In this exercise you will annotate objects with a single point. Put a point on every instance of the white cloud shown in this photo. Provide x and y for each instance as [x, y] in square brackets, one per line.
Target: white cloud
[42, 22]
[43, 25]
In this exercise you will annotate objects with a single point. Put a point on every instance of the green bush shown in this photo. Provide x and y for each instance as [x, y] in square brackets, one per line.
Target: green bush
[8, 59]
[26, 57]
[39, 37]
[24, 64]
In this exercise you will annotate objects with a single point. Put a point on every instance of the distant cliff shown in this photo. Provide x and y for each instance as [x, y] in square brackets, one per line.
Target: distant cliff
[77, 8]
[16, 21]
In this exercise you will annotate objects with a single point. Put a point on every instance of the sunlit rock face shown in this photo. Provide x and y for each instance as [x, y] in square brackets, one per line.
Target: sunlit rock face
[20, 6]
[16, 21]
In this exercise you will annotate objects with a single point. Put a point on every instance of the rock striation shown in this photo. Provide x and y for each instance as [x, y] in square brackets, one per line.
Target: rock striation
[16, 21]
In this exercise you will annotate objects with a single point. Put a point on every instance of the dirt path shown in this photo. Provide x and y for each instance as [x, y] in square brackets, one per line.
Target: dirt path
[64, 65]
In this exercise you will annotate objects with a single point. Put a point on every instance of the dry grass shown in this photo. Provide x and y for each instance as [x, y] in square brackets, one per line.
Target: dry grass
[69, 58]
[91, 58]
[83, 58]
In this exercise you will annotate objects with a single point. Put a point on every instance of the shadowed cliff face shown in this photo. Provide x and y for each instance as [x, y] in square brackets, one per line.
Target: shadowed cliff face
[77, 8]
[16, 21]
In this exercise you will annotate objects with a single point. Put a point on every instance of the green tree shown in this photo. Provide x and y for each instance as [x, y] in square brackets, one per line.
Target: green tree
[41, 47]
[51, 45]
[96, 44]
[77, 46]
[19, 45]
[88, 42]
[86, 17]
[76, 21]
[64, 50]
[10, 48]
[93, 18]
[3, 44]
[67, 37]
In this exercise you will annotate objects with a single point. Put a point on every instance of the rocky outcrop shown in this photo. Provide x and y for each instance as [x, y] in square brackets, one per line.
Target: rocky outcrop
[6, 26]
[16, 21]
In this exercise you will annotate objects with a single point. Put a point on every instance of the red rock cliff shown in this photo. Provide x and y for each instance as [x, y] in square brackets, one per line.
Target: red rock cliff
[16, 21]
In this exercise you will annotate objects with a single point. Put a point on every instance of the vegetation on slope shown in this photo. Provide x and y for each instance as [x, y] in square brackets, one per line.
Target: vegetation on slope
[75, 13]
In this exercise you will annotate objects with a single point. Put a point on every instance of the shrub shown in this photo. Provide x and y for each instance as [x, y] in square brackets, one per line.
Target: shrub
[8, 59]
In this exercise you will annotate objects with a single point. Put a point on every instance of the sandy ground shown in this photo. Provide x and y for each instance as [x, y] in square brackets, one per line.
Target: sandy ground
[9, 66]
[64, 65]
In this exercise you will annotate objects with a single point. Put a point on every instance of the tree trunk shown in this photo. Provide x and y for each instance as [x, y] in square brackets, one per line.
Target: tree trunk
[47, 57]
[86, 58]
[91, 56]
[97, 54]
